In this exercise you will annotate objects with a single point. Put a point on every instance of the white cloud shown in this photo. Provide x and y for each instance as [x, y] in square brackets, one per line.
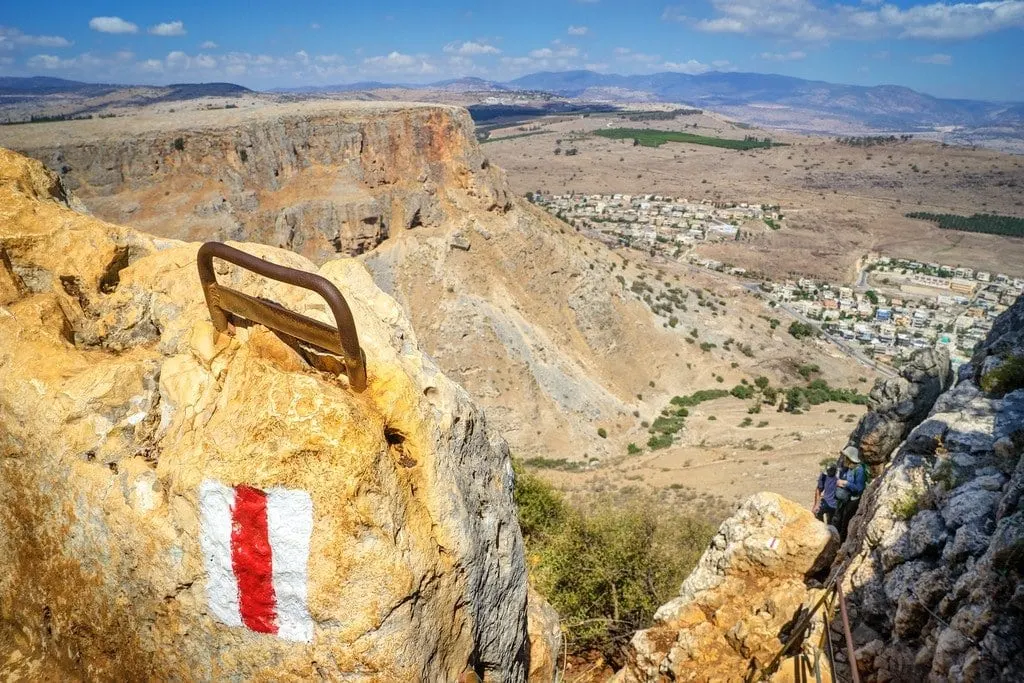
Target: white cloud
[396, 62]
[205, 61]
[168, 28]
[792, 56]
[208, 45]
[45, 62]
[578, 30]
[813, 20]
[11, 37]
[315, 26]
[470, 48]
[691, 66]
[721, 64]
[112, 25]
[560, 51]
[624, 54]
[937, 58]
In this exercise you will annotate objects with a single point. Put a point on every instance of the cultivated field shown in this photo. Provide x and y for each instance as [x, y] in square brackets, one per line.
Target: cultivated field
[840, 202]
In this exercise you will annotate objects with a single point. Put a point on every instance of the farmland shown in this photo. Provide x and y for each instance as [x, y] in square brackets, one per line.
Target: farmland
[656, 138]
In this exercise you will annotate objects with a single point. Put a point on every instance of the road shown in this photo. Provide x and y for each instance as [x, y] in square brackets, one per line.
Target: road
[843, 345]
[755, 287]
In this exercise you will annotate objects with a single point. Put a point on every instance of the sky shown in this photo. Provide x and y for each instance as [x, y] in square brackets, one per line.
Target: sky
[947, 49]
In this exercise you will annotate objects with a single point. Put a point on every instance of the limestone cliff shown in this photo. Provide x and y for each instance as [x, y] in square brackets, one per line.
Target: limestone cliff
[181, 504]
[321, 180]
[540, 324]
[932, 568]
[737, 609]
[934, 562]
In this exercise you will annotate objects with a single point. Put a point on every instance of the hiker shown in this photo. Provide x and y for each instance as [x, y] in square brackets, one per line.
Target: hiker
[850, 483]
[825, 495]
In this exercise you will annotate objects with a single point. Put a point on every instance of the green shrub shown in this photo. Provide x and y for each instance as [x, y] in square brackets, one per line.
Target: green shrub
[1007, 377]
[659, 441]
[542, 509]
[698, 397]
[746, 422]
[633, 449]
[909, 505]
[605, 565]
[742, 391]
[179, 144]
[601, 432]
[800, 330]
[543, 463]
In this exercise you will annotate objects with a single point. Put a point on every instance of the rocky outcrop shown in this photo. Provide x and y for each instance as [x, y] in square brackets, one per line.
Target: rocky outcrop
[322, 179]
[735, 610]
[179, 504]
[898, 404]
[933, 565]
[545, 633]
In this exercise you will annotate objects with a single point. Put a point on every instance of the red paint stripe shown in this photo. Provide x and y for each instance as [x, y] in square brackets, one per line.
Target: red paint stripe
[251, 560]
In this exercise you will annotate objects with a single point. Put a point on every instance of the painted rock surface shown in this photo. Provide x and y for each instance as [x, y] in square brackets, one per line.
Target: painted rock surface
[183, 504]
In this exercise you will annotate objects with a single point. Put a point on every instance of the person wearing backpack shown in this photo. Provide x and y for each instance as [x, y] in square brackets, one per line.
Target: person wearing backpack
[850, 484]
[825, 495]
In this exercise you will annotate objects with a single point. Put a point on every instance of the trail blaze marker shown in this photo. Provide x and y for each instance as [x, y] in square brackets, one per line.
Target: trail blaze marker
[256, 549]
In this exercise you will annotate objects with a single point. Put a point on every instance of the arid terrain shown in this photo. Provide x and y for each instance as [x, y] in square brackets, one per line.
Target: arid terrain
[840, 202]
[542, 325]
[560, 347]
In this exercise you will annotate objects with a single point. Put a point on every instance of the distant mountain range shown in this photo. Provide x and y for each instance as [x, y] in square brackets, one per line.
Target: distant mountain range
[757, 97]
[34, 86]
[880, 106]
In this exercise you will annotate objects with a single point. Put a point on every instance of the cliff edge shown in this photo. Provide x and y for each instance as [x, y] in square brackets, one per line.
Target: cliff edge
[180, 503]
[935, 558]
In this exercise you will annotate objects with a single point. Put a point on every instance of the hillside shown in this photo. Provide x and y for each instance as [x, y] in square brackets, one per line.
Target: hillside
[531, 317]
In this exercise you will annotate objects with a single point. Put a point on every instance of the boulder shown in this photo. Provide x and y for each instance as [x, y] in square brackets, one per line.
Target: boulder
[545, 634]
[178, 503]
[733, 611]
[898, 404]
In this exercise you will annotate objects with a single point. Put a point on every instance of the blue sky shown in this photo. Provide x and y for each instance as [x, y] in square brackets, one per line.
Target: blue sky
[949, 49]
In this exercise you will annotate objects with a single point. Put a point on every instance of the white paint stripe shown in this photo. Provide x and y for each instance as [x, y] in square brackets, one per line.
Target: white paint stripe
[215, 503]
[289, 526]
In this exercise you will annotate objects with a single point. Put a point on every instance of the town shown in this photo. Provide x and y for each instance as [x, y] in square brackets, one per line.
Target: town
[895, 307]
[657, 222]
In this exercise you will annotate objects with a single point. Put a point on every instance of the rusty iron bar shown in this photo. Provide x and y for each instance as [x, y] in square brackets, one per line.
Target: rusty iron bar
[850, 653]
[342, 340]
[798, 630]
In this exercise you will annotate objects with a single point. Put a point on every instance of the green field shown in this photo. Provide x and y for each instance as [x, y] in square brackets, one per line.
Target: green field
[989, 223]
[656, 138]
[517, 135]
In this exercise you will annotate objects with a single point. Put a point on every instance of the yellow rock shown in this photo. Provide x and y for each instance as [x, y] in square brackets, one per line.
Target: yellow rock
[132, 435]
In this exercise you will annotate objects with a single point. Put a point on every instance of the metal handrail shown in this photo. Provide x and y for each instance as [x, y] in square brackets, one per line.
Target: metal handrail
[342, 340]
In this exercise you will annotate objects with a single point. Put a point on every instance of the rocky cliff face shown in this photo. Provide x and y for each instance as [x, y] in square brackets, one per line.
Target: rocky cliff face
[932, 568]
[536, 321]
[898, 404]
[934, 562]
[185, 504]
[321, 180]
[734, 612]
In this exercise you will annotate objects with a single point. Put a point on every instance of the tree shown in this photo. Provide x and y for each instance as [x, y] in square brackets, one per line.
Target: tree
[872, 297]
[800, 330]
